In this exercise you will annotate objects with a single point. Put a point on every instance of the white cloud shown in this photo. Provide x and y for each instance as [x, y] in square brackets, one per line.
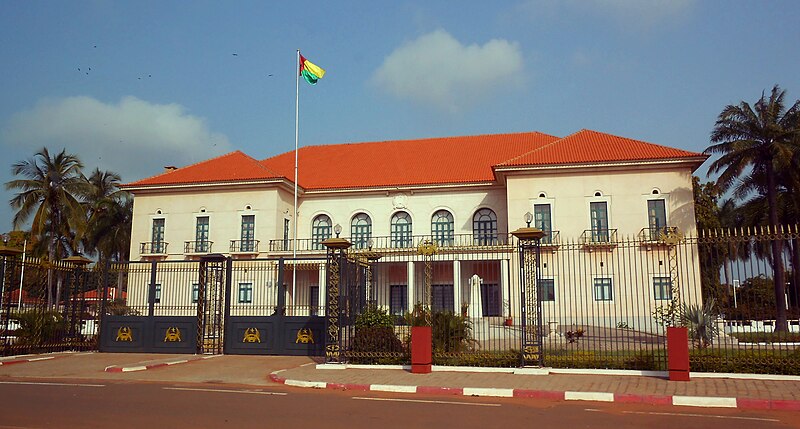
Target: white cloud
[134, 138]
[437, 70]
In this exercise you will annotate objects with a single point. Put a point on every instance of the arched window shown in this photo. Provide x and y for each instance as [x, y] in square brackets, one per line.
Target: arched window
[360, 230]
[320, 231]
[401, 230]
[484, 227]
[442, 228]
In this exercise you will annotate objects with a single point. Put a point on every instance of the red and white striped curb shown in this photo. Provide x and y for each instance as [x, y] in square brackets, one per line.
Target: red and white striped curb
[687, 401]
[117, 368]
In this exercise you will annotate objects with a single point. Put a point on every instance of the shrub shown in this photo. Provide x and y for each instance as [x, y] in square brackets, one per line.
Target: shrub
[451, 332]
[420, 316]
[376, 345]
[374, 316]
[642, 361]
[701, 322]
[504, 359]
[746, 361]
[38, 326]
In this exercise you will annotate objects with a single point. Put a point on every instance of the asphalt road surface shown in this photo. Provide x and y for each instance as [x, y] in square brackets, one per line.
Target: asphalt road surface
[135, 404]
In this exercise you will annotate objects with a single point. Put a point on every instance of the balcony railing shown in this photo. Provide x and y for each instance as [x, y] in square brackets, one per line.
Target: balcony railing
[599, 237]
[244, 246]
[551, 239]
[203, 246]
[153, 248]
[397, 242]
[658, 235]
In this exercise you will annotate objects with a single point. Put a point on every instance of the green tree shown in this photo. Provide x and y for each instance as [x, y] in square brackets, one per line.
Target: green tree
[755, 144]
[50, 192]
[110, 215]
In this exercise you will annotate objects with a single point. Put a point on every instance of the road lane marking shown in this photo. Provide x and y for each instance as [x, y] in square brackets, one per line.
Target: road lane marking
[42, 383]
[654, 413]
[250, 392]
[759, 419]
[423, 401]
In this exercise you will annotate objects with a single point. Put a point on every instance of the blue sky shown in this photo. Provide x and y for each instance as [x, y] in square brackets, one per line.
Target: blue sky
[134, 86]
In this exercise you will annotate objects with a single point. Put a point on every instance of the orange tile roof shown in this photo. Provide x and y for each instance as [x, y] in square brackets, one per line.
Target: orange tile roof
[231, 167]
[406, 162]
[587, 146]
[447, 160]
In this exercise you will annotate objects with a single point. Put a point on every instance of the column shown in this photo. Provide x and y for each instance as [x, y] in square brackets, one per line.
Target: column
[410, 275]
[323, 287]
[504, 288]
[457, 287]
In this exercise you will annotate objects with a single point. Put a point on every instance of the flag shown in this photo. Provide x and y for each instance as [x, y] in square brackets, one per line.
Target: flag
[310, 71]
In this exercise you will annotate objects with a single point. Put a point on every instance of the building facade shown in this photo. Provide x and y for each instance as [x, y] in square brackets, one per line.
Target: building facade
[589, 190]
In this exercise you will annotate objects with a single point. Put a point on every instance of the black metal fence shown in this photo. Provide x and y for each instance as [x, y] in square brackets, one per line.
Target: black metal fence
[47, 307]
[597, 304]
[600, 304]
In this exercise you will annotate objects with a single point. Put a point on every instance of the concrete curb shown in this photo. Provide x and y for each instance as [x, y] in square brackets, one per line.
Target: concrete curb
[675, 400]
[118, 368]
[33, 358]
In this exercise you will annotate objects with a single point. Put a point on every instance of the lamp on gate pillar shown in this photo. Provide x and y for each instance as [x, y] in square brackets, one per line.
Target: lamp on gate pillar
[336, 248]
[528, 241]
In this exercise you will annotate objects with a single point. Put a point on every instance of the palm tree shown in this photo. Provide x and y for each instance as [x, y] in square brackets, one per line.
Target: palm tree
[110, 211]
[50, 192]
[756, 144]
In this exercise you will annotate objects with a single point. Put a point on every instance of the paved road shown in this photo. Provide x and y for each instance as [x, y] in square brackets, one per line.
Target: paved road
[74, 391]
[28, 403]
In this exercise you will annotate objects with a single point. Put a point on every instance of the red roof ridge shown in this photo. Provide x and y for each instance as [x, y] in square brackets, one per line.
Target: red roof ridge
[535, 149]
[180, 170]
[333, 145]
[553, 152]
[632, 140]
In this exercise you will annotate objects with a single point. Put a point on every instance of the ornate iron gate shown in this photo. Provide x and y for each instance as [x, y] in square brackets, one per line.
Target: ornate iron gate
[274, 327]
[213, 303]
[346, 299]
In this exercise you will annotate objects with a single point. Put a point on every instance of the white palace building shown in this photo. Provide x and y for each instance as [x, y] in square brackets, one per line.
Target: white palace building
[588, 191]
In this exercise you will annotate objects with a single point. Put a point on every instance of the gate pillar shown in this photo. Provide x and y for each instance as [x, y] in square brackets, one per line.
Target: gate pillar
[336, 248]
[212, 302]
[528, 241]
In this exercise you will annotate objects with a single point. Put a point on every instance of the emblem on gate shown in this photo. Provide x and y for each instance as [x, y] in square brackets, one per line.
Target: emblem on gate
[531, 353]
[251, 335]
[332, 352]
[305, 336]
[124, 333]
[173, 335]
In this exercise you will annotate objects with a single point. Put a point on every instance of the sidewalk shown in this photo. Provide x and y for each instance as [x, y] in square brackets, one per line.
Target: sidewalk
[704, 390]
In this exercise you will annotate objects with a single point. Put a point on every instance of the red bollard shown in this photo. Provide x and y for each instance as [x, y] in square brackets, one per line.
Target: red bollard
[678, 353]
[421, 349]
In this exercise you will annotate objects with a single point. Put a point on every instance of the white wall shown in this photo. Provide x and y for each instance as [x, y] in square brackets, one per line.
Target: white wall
[626, 192]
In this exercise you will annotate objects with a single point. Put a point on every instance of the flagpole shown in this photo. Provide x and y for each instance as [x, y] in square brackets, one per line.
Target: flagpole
[296, 134]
